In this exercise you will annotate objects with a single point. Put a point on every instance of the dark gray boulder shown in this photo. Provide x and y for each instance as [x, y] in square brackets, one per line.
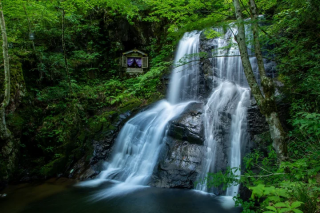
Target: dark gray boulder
[180, 167]
[189, 125]
[180, 161]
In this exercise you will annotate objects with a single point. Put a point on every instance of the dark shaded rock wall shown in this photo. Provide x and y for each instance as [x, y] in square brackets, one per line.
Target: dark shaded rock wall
[206, 67]
[102, 149]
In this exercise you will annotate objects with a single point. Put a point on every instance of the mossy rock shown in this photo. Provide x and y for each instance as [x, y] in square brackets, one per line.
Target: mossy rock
[130, 105]
[82, 137]
[95, 125]
[3, 169]
[54, 167]
[16, 122]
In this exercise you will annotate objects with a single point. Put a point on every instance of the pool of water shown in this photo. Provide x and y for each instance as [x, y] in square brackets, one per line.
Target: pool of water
[64, 197]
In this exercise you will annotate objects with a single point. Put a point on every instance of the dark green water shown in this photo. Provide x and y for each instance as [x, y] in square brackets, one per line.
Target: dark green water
[52, 197]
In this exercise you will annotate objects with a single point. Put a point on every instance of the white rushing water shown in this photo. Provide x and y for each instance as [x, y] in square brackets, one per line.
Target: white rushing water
[230, 98]
[139, 143]
[184, 83]
[227, 99]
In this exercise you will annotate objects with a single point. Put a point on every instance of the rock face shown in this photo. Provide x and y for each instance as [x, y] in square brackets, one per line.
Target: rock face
[256, 121]
[180, 162]
[180, 167]
[9, 149]
[188, 126]
[206, 67]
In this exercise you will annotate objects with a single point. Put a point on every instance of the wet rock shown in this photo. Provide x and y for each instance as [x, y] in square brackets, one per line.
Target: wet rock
[257, 123]
[207, 68]
[25, 179]
[222, 138]
[270, 68]
[180, 161]
[189, 125]
[180, 167]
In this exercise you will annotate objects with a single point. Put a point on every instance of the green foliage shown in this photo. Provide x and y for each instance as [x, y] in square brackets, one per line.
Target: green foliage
[188, 15]
[211, 33]
[308, 123]
[291, 186]
[309, 201]
[222, 179]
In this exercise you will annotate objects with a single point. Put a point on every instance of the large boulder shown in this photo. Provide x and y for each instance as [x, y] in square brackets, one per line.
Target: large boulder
[180, 161]
[189, 125]
[180, 167]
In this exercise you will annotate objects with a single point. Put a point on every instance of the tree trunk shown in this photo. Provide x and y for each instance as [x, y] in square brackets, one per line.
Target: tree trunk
[241, 40]
[4, 132]
[8, 150]
[265, 101]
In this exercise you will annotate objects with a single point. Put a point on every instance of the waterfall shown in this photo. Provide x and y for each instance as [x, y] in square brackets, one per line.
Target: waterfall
[136, 151]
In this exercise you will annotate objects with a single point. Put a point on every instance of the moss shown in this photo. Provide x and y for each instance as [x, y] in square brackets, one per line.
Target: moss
[82, 137]
[16, 77]
[94, 125]
[108, 115]
[76, 153]
[130, 104]
[16, 122]
[54, 167]
[89, 152]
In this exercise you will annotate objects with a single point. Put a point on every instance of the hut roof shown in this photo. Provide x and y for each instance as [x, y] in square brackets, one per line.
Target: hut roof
[135, 51]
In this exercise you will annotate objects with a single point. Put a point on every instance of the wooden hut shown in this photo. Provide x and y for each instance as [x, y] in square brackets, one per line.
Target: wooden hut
[134, 61]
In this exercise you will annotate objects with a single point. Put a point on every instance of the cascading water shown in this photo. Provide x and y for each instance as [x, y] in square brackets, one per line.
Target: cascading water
[141, 139]
[230, 99]
[184, 82]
